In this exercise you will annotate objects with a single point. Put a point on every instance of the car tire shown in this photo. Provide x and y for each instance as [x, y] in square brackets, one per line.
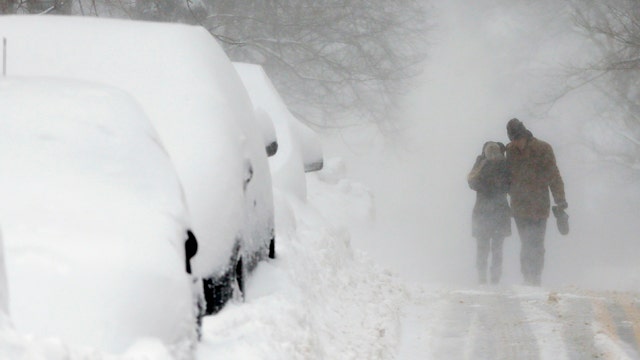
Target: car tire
[217, 292]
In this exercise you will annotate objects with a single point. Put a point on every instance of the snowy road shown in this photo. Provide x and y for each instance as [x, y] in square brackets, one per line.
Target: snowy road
[522, 323]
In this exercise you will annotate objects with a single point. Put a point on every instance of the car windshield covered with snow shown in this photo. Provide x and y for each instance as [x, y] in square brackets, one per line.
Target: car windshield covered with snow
[187, 86]
[93, 219]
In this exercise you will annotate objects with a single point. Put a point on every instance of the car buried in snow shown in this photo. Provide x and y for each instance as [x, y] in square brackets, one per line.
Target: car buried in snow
[93, 219]
[299, 148]
[193, 97]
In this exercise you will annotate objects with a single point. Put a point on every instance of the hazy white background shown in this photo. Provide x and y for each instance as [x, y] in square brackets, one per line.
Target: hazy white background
[492, 61]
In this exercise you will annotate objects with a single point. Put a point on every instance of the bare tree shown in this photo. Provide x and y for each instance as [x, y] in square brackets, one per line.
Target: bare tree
[336, 62]
[35, 6]
[332, 59]
[613, 27]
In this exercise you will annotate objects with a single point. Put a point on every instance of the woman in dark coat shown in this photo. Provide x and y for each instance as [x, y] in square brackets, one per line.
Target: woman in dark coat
[491, 220]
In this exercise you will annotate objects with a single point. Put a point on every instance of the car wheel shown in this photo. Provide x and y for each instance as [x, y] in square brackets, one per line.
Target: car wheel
[218, 292]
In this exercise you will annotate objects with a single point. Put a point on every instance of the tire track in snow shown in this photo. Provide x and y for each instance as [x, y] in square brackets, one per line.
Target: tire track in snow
[631, 320]
[606, 334]
[544, 328]
[616, 326]
[576, 314]
[522, 323]
[508, 330]
[480, 325]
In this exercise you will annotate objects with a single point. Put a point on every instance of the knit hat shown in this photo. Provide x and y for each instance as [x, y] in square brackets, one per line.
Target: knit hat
[517, 130]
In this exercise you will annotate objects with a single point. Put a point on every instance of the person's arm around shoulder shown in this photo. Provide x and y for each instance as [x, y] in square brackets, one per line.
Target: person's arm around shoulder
[474, 177]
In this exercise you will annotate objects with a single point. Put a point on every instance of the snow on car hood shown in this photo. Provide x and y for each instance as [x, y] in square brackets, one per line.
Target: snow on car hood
[92, 216]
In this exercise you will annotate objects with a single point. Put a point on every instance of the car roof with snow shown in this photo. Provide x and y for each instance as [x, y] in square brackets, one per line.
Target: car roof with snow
[92, 215]
[185, 83]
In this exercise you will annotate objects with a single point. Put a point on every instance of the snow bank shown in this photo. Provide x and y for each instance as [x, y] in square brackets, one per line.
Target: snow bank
[319, 299]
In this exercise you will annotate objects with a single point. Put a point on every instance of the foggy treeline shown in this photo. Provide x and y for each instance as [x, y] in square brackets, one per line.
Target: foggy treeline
[340, 62]
[336, 62]
[604, 71]
[612, 28]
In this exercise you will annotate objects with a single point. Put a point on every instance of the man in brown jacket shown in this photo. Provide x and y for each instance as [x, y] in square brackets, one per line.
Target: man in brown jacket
[534, 172]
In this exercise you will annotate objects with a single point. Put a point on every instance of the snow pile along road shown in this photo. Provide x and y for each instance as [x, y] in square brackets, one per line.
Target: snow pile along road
[318, 299]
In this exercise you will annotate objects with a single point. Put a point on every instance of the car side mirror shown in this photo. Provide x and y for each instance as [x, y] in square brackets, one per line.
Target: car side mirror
[272, 148]
[314, 166]
[267, 130]
[190, 249]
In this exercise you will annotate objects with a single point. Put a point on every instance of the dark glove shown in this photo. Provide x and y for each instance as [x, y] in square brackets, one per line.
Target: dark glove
[562, 219]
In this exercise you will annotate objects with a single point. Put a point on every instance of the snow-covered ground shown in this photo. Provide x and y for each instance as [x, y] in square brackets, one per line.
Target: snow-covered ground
[324, 299]
[519, 322]
[320, 299]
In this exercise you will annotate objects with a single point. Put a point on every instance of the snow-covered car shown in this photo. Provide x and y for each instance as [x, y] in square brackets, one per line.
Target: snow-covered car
[299, 148]
[93, 219]
[195, 100]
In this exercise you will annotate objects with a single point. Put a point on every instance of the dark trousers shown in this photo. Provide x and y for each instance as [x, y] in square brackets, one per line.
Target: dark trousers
[486, 245]
[532, 233]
